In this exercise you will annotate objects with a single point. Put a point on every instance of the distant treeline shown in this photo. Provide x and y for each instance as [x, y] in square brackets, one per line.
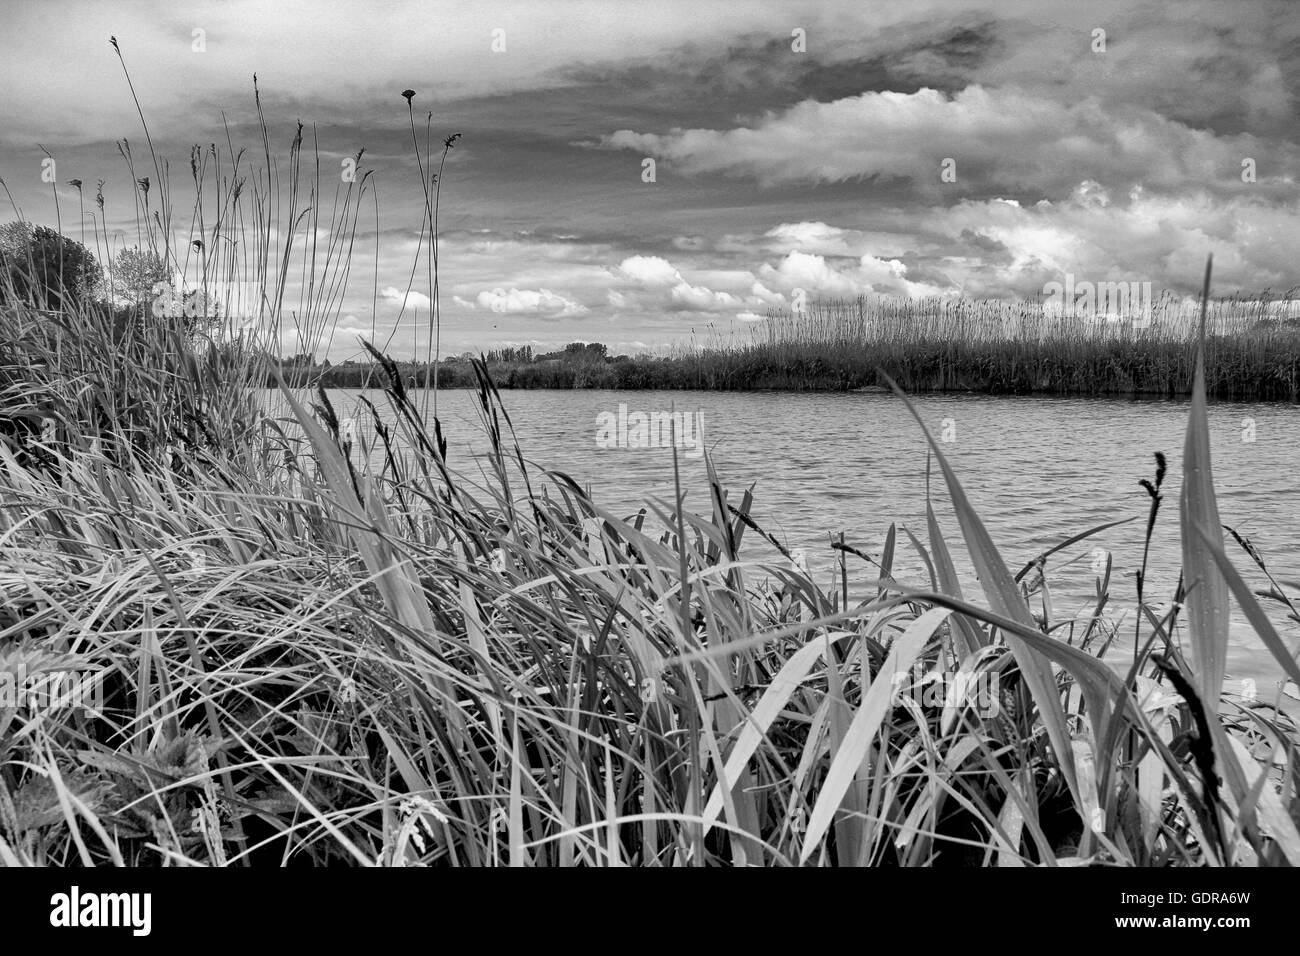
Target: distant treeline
[1259, 363]
[577, 365]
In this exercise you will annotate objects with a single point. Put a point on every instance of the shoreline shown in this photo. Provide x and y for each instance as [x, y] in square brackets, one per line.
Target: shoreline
[1181, 395]
[1249, 366]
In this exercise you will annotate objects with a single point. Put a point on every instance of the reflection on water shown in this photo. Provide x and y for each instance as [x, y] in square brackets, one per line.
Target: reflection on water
[1037, 470]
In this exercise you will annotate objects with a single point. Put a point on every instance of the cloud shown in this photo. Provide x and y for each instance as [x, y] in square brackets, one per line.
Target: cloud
[802, 270]
[1160, 239]
[696, 298]
[351, 324]
[842, 278]
[1001, 138]
[810, 237]
[412, 299]
[529, 301]
[62, 79]
[658, 285]
[763, 294]
[649, 271]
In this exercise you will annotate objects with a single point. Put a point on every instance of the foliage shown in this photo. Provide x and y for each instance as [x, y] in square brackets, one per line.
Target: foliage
[44, 269]
[136, 275]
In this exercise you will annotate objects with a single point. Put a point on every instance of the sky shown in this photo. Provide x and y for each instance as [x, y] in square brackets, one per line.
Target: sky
[816, 150]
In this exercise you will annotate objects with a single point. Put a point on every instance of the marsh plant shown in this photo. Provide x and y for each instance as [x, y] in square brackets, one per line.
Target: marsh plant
[425, 661]
[1106, 343]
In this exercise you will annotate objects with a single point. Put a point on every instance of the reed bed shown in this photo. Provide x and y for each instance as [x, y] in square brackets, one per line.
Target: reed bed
[1252, 349]
[307, 659]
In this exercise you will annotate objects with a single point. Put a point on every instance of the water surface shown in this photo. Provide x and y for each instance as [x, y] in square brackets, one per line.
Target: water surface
[1037, 469]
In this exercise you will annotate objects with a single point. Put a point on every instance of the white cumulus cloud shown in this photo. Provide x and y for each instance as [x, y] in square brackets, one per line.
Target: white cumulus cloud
[528, 301]
[413, 299]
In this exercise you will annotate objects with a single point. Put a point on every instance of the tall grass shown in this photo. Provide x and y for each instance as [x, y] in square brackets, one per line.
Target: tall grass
[307, 658]
[1018, 347]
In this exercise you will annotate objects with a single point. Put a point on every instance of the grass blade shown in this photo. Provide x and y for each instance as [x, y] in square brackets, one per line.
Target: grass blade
[1206, 595]
[875, 702]
[1004, 597]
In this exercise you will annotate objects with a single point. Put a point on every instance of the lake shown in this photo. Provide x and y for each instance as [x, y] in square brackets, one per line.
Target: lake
[1037, 470]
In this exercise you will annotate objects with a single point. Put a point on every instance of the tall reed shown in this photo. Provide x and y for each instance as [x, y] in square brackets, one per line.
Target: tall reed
[1252, 347]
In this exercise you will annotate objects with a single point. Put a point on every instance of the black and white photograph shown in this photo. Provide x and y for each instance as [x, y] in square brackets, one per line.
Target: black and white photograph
[607, 434]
